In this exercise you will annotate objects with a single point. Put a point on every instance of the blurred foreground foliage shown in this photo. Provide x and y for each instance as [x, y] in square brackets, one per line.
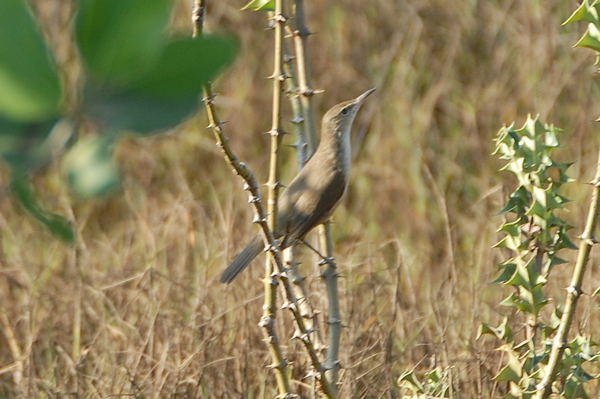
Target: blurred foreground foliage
[136, 79]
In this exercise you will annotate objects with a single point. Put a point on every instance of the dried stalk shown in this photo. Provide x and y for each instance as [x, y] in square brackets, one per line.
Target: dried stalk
[574, 291]
[271, 243]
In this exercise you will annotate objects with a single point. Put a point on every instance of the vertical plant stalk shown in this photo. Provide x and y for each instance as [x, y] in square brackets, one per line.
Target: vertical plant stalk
[304, 304]
[260, 217]
[300, 33]
[267, 323]
[269, 317]
[244, 172]
[574, 291]
[303, 152]
[334, 320]
[302, 155]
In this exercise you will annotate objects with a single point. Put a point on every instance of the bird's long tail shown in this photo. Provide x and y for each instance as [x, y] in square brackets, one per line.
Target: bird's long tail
[242, 261]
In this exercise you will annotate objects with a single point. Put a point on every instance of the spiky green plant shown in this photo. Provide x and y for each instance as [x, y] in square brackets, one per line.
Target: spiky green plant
[533, 236]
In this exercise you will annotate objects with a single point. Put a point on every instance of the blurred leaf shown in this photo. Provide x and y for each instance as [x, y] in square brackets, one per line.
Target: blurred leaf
[132, 111]
[574, 388]
[91, 169]
[29, 87]
[28, 146]
[165, 95]
[184, 66]
[121, 39]
[409, 380]
[58, 225]
[260, 5]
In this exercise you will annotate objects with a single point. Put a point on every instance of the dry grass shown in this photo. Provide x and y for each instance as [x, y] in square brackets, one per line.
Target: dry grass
[413, 237]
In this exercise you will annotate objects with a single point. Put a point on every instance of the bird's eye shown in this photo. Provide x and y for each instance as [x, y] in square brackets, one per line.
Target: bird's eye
[345, 111]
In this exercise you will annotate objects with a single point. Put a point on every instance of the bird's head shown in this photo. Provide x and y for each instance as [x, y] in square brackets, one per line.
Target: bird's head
[339, 118]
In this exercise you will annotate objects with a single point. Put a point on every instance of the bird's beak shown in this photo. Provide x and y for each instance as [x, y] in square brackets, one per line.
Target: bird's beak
[360, 99]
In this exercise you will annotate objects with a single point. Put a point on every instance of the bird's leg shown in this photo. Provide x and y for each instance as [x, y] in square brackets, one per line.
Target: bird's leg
[324, 259]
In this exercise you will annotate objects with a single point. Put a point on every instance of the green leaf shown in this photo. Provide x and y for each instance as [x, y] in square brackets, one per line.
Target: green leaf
[511, 372]
[507, 271]
[409, 380]
[510, 242]
[58, 225]
[165, 95]
[502, 332]
[121, 39]
[585, 12]
[512, 228]
[591, 38]
[184, 66]
[29, 87]
[260, 5]
[91, 169]
[574, 388]
[519, 277]
[119, 110]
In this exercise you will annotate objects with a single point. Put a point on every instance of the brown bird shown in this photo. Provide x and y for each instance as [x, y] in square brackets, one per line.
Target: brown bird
[316, 191]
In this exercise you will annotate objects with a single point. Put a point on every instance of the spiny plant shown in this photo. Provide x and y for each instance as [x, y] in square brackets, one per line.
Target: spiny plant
[543, 362]
[533, 236]
[435, 384]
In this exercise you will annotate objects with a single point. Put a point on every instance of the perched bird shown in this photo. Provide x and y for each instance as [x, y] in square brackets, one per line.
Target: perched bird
[315, 192]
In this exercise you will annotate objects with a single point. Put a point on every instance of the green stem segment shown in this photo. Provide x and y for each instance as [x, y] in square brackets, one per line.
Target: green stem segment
[334, 321]
[574, 291]
[269, 317]
[301, 33]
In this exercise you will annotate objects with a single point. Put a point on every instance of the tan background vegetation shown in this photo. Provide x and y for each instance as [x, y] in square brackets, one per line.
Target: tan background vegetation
[413, 236]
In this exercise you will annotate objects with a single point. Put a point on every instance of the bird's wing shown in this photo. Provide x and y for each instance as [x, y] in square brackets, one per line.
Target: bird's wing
[303, 207]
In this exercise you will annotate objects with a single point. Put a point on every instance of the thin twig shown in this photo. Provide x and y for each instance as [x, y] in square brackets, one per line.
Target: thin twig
[574, 291]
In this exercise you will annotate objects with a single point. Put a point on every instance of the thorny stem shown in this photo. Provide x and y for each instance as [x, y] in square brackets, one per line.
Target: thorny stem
[334, 320]
[267, 322]
[252, 186]
[269, 317]
[303, 153]
[301, 33]
[544, 388]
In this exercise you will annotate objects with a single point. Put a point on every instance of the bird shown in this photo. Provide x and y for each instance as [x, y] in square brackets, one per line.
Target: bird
[316, 191]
